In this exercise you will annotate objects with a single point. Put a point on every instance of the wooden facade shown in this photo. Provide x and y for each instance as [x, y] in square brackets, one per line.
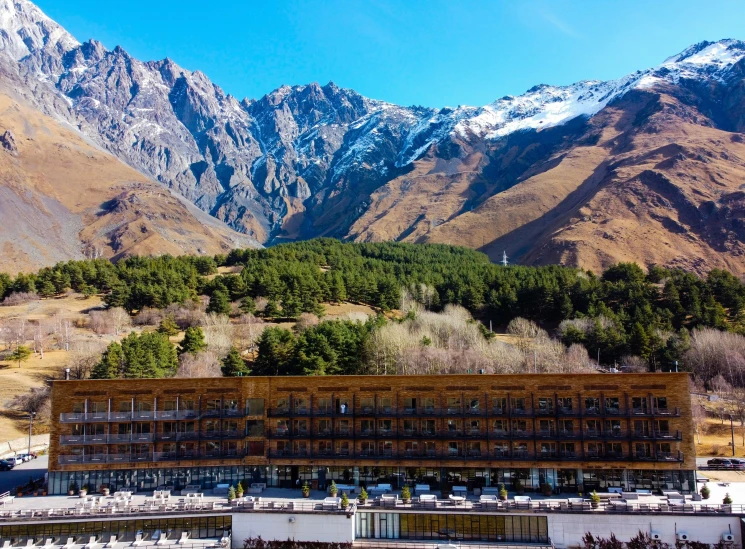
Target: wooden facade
[619, 421]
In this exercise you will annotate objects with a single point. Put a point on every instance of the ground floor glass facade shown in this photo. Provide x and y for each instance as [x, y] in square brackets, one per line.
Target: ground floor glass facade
[452, 527]
[125, 530]
[563, 480]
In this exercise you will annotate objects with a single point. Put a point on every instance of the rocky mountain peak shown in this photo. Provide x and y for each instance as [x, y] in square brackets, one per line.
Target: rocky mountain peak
[27, 30]
[307, 156]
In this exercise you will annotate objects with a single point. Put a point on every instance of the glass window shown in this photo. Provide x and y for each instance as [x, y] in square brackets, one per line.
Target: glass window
[255, 406]
[255, 428]
[592, 405]
[499, 405]
[324, 405]
[518, 405]
[545, 405]
[367, 404]
[565, 404]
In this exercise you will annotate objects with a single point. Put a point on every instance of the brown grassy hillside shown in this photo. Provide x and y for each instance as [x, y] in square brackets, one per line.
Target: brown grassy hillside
[59, 196]
[649, 179]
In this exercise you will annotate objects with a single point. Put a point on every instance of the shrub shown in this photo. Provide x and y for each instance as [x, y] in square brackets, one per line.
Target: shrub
[705, 492]
[405, 493]
[363, 494]
[333, 490]
[727, 500]
[231, 493]
[344, 500]
[594, 497]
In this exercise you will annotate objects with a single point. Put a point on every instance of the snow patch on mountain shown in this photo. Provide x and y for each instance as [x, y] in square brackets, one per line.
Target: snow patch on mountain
[546, 106]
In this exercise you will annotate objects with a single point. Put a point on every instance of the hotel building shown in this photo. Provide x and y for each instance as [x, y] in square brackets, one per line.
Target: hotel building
[576, 433]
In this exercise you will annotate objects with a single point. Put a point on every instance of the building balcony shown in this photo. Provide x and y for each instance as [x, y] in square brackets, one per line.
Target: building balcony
[230, 434]
[77, 440]
[149, 457]
[157, 415]
[545, 411]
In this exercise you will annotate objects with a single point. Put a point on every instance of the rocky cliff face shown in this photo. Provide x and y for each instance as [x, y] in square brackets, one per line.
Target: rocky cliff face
[314, 160]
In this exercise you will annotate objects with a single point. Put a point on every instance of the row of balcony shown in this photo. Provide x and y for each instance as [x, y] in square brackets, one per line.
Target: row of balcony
[389, 411]
[174, 415]
[476, 434]
[514, 455]
[149, 457]
[123, 438]
[151, 415]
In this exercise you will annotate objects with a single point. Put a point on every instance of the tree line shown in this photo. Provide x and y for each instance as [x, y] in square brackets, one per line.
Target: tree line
[623, 311]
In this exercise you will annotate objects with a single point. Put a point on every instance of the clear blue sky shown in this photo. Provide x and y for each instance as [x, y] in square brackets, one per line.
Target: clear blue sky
[411, 52]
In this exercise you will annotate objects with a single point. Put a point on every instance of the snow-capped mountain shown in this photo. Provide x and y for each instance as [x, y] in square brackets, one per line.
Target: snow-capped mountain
[302, 160]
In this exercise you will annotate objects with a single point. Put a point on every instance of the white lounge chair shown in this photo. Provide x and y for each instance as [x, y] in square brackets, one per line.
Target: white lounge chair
[69, 543]
[138, 539]
[331, 504]
[184, 537]
[112, 542]
[91, 543]
[48, 542]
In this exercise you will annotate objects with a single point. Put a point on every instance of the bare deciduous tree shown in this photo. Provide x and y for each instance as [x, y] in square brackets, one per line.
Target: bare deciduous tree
[203, 364]
[36, 401]
[218, 333]
[111, 321]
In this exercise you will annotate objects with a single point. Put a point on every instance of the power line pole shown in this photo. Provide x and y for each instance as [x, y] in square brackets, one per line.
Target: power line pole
[31, 426]
[504, 258]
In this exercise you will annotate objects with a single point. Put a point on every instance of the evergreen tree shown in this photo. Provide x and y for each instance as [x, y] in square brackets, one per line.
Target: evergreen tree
[275, 352]
[248, 305]
[20, 354]
[193, 341]
[337, 288]
[233, 364]
[148, 355]
[168, 326]
[110, 365]
[271, 310]
[219, 303]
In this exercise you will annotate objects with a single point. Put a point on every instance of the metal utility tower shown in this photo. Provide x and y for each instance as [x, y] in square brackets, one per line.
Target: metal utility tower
[504, 258]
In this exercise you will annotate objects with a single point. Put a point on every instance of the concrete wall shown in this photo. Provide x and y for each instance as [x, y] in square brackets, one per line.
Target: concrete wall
[567, 529]
[20, 445]
[305, 527]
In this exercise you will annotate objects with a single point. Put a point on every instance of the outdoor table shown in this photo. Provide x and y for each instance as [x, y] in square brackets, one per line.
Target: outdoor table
[457, 500]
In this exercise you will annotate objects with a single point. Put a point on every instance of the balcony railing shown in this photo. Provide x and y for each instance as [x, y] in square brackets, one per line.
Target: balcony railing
[150, 457]
[149, 415]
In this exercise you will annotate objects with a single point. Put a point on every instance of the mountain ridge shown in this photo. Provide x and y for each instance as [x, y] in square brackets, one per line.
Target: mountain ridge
[312, 160]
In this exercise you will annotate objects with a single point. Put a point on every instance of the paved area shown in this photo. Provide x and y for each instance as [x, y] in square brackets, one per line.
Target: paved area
[20, 474]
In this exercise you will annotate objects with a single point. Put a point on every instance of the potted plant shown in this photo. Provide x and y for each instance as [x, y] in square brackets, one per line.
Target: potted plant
[519, 488]
[105, 490]
[306, 490]
[344, 500]
[19, 491]
[594, 499]
[727, 500]
[546, 489]
[72, 488]
[502, 492]
[239, 490]
[363, 496]
[705, 492]
[333, 490]
[84, 491]
[406, 495]
[231, 493]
